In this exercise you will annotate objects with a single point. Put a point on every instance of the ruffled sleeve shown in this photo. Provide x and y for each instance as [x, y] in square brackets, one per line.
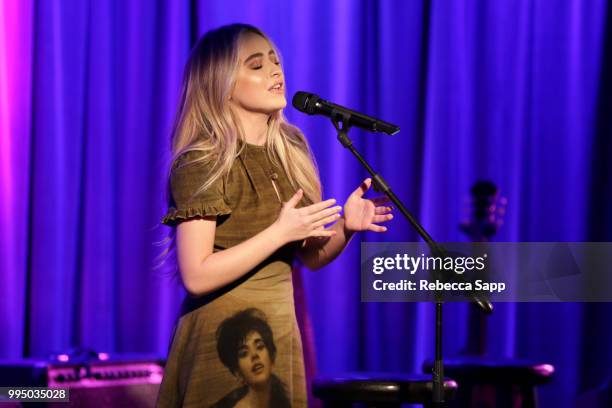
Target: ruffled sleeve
[186, 179]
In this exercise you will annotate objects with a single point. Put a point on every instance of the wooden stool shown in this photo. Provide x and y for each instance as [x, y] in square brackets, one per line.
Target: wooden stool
[376, 390]
[500, 383]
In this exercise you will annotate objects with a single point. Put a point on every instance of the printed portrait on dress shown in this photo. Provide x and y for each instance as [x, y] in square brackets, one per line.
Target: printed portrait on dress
[246, 347]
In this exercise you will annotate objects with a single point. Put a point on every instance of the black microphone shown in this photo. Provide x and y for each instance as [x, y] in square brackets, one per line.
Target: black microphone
[313, 105]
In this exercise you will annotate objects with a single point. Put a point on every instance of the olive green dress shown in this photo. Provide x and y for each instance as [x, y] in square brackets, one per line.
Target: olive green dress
[245, 202]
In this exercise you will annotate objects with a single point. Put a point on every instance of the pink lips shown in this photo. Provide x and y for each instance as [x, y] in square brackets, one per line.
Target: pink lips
[279, 89]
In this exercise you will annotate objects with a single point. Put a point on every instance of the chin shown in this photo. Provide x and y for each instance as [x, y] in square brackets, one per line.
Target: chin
[281, 104]
[275, 107]
[261, 380]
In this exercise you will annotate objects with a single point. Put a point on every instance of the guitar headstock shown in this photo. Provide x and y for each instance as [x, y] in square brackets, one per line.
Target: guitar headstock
[484, 213]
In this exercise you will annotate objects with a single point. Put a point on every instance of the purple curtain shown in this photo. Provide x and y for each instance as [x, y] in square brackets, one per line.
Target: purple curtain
[517, 92]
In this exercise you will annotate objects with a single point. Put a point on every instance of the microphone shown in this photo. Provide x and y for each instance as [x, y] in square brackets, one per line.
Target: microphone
[313, 105]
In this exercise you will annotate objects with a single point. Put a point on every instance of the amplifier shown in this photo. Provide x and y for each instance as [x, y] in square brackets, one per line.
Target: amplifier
[122, 380]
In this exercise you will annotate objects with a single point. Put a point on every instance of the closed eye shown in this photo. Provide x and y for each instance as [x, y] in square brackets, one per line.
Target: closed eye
[261, 66]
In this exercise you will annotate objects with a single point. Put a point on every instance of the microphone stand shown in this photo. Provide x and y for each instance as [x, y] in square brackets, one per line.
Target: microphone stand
[381, 185]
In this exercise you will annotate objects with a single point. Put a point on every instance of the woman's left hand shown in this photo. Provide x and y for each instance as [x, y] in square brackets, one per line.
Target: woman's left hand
[363, 214]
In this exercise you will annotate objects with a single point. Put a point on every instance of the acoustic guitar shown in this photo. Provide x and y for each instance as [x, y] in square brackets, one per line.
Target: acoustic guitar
[486, 382]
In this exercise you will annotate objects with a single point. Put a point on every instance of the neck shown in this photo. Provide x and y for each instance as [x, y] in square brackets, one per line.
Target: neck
[259, 397]
[254, 126]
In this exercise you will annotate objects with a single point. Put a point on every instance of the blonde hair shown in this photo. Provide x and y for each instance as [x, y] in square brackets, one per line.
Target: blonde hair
[205, 121]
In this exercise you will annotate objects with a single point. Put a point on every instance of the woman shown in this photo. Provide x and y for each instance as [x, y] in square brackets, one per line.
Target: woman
[245, 344]
[245, 202]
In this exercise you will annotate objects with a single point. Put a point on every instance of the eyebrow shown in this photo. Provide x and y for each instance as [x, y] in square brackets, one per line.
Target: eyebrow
[258, 54]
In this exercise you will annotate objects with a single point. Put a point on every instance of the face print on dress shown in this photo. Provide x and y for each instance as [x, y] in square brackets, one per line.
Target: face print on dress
[245, 345]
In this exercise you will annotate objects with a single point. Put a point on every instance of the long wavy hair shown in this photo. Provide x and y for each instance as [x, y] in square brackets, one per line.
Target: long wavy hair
[205, 121]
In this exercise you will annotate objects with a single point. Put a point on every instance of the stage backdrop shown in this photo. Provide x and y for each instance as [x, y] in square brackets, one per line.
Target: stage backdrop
[517, 92]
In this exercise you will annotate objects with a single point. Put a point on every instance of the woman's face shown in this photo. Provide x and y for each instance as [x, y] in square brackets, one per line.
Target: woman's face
[260, 84]
[254, 361]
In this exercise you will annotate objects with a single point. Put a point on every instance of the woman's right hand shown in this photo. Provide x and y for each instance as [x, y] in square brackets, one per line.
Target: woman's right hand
[295, 224]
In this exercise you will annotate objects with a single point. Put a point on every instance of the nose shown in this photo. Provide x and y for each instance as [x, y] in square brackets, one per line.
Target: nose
[276, 71]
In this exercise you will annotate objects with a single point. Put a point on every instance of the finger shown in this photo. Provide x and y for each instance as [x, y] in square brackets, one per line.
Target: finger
[315, 208]
[295, 199]
[376, 228]
[382, 209]
[382, 218]
[326, 220]
[314, 239]
[322, 233]
[317, 239]
[365, 186]
[379, 200]
[324, 213]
